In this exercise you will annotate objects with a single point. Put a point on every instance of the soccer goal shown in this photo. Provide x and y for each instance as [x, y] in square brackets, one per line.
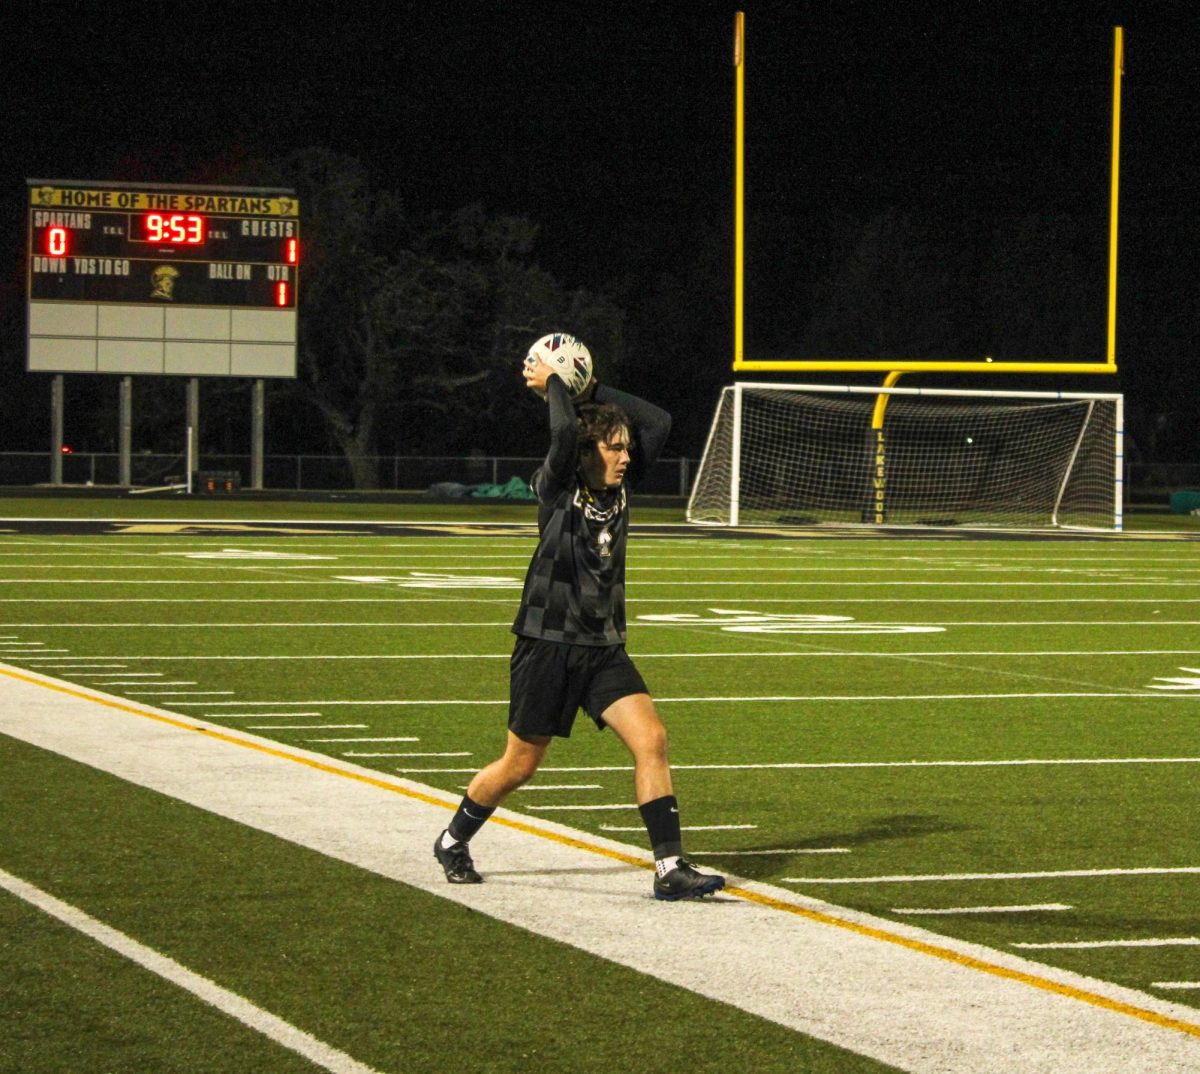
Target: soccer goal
[806, 454]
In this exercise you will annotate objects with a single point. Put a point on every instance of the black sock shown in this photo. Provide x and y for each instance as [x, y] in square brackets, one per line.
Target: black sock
[661, 818]
[469, 819]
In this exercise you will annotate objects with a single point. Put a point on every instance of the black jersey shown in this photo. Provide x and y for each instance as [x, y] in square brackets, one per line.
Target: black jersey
[575, 586]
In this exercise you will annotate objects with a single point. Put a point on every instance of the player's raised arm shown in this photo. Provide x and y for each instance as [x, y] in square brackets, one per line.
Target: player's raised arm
[650, 427]
[563, 454]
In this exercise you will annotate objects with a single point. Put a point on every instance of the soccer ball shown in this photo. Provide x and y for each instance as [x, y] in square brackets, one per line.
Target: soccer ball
[567, 356]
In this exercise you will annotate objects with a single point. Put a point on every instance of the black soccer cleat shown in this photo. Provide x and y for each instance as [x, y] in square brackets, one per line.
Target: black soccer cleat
[457, 863]
[685, 882]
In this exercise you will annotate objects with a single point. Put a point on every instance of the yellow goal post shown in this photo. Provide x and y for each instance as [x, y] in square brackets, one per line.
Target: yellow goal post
[902, 365]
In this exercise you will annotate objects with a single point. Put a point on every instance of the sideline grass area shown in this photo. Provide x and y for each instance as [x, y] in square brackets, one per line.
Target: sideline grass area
[1026, 651]
[350, 506]
[343, 507]
[397, 978]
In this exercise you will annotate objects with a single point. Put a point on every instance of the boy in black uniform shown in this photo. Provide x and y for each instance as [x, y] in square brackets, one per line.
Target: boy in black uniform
[570, 627]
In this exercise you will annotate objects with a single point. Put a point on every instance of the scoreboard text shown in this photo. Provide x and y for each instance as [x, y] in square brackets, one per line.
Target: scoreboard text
[162, 280]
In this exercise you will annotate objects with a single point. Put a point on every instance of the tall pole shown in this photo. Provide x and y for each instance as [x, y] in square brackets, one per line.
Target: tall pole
[739, 209]
[257, 415]
[56, 429]
[193, 423]
[1118, 71]
[125, 433]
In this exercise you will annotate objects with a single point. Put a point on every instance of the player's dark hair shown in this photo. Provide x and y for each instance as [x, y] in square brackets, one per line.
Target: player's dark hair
[597, 422]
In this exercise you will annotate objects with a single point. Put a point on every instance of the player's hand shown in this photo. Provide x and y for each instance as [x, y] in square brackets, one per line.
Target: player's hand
[536, 374]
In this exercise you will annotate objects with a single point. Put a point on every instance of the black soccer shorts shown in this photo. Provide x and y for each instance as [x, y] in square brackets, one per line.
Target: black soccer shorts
[550, 681]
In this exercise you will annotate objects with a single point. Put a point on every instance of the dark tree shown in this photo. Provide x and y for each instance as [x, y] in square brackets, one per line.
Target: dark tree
[412, 326]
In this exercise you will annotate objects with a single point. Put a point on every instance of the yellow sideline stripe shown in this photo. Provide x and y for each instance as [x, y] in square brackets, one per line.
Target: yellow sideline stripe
[944, 953]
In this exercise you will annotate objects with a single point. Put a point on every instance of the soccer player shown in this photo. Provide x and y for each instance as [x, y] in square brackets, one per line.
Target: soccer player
[570, 627]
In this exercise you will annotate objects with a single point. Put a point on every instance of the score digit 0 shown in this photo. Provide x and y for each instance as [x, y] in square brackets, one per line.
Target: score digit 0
[55, 242]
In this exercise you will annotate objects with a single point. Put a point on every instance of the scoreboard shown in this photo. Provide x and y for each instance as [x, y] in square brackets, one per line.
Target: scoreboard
[173, 280]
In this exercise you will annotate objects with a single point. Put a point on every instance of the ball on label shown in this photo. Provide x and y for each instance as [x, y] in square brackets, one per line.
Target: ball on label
[567, 356]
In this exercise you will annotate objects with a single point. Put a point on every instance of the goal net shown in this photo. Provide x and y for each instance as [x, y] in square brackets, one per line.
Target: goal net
[806, 454]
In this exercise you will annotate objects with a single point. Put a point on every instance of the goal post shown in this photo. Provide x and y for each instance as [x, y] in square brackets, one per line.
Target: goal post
[812, 454]
[852, 363]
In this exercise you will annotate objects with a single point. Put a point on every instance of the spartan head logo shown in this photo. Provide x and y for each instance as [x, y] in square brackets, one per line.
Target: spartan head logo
[604, 543]
[162, 282]
[45, 195]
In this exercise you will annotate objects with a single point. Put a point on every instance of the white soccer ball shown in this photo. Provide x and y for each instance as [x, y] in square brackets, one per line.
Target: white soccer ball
[567, 356]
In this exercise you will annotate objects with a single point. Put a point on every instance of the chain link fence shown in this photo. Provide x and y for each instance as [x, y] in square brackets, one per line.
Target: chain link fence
[398, 473]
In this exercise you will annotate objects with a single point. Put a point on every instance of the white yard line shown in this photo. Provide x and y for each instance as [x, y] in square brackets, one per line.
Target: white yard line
[308, 727]
[223, 580]
[906, 654]
[918, 1001]
[582, 808]
[1027, 908]
[259, 715]
[769, 853]
[142, 682]
[643, 624]
[686, 827]
[719, 699]
[122, 679]
[405, 597]
[80, 667]
[249, 560]
[183, 693]
[755, 766]
[1051, 874]
[1087, 945]
[357, 738]
[230, 1003]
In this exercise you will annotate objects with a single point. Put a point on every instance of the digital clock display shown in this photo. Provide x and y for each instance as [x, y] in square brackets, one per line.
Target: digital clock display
[169, 229]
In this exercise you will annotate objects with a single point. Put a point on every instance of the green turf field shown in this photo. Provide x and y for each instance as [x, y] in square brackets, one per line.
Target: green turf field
[992, 739]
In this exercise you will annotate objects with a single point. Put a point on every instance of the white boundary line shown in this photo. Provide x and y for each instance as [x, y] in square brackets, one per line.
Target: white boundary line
[642, 583]
[219, 562]
[1087, 945]
[1026, 908]
[230, 1003]
[409, 702]
[772, 654]
[1031, 761]
[948, 1006]
[919, 878]
[404, 597]
[643, 624]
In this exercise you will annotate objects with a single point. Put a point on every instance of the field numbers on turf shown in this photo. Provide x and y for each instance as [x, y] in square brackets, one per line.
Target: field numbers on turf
[741, 622]
[245, 553]
[435, 580]
[1190, 682]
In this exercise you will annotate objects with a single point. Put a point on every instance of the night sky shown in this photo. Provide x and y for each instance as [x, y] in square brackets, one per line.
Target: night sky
[611, 125]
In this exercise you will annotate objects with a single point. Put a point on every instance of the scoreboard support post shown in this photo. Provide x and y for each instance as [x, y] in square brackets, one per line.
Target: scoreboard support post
[56, 430]
[193, 427]
[258, 409]
[125, 463]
